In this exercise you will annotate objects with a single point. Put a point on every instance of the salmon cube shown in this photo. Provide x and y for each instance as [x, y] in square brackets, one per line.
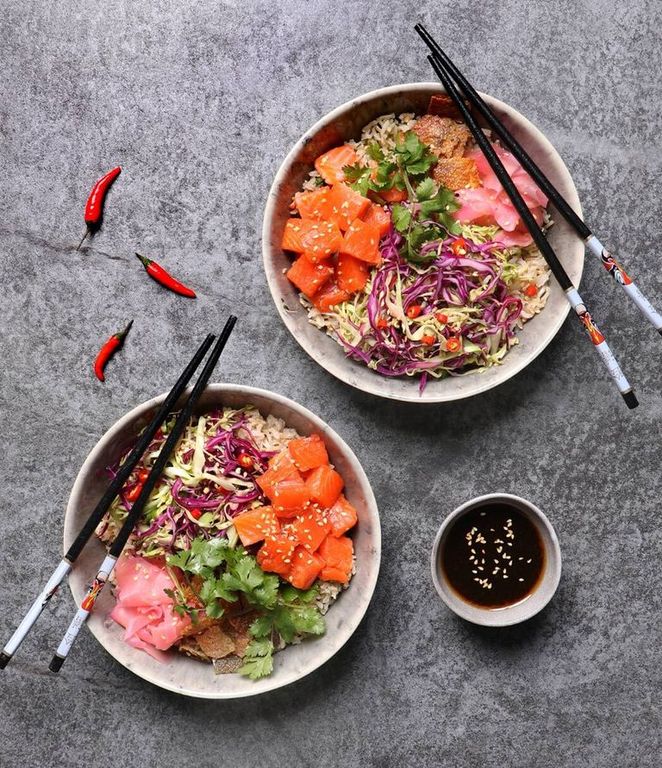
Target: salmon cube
[255, 525]
[309, 277]
[338, 556]
[288, 496]
[308, 452]
[330, 165]
[324, 485]
[343, 205]
[341, 516]
[284, 486]
[329, 296]
[351, 273]
[318, 239]
[362, 242]
[310, 529]
[305, 568]
[378, 216]
[275, 555]
[313, 204]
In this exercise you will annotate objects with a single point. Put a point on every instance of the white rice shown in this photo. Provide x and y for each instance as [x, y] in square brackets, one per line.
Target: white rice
[385, 131]
[270, 433]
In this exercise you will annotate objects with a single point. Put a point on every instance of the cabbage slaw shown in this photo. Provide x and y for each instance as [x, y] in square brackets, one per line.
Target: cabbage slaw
[209, 480]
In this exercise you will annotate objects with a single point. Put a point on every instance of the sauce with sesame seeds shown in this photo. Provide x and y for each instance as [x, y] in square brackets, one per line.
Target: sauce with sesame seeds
[493, 556]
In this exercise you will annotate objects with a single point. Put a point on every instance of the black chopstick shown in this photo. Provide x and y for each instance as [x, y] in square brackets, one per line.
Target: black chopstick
[571, 293]
[115, 550]
[95, 517]
[560, 203]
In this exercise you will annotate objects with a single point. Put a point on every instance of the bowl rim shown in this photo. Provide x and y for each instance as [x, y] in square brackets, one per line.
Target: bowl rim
[340, 372]
[348, 454]
[473, 613]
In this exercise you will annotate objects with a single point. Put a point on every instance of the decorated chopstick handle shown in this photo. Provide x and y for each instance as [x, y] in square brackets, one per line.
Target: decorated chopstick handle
[62, 570]
[86, 608]
[602, 348]
[625, 281]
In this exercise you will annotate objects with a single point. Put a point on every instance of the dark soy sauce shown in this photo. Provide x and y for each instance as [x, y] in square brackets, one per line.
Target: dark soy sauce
[493, 556]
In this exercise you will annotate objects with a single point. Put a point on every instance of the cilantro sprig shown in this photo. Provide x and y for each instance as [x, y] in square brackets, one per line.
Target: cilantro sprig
[410, 160]
[293, 615]
[427, 214]
[229, 573]
[425, 220]
[241, 575]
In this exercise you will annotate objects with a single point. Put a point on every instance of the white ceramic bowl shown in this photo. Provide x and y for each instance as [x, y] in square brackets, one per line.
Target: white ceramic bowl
[535, 601]
[185, 675]
[345, 123]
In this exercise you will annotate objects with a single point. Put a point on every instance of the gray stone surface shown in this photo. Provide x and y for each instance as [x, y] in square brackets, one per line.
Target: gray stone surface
[199, 101]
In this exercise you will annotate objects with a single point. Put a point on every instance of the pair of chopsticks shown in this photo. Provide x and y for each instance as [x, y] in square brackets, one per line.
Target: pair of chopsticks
[454, 82]
[115, 486]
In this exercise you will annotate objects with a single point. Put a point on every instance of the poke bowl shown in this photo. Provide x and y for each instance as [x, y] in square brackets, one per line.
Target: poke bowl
[236, 425]
[395, 261]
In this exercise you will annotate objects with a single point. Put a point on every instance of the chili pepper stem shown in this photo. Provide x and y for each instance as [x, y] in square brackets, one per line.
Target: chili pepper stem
[122, 334]
[82, 240]
[144, 260]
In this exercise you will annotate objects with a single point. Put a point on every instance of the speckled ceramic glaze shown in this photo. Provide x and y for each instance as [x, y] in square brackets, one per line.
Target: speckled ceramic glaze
[535, 601]
[345, 123]
[182, 674]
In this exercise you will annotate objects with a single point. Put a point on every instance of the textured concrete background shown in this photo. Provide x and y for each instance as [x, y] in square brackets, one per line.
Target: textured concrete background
[200, 101]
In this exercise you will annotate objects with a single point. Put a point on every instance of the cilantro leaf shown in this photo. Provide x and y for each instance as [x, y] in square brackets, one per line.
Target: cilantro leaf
[425, 190]
[358, 177]
[307, 620]
[260, 588]
[258, 659]
[262, 626]
[401, 217]
[292, 616]
[214, 588]
[375, 152]
[382, 177]
[202, 557]
[443, 202]
[214, 610]
[291, 594]
[413, 156]
[354, 172]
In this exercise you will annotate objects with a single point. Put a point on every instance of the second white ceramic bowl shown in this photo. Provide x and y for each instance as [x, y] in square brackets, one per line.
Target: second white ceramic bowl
[345, 123]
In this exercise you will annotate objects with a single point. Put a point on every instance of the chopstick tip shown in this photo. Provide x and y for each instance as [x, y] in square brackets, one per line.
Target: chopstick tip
[630, 399]
[56, 663]
[5, 658]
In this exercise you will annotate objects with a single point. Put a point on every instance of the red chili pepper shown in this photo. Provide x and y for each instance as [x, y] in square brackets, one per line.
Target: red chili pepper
[94, 205]
[531, 290]
[382, 323]
[156, 272]
[441, 317]
[143, 474]
[195, 513]
[245, 461]
[414, 311]
[428, 339]
[453, 344]
[133, 494]
[460, 247]
[108, 350]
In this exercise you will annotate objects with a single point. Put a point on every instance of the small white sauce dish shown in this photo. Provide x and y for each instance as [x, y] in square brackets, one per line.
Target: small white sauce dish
[535, 601]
